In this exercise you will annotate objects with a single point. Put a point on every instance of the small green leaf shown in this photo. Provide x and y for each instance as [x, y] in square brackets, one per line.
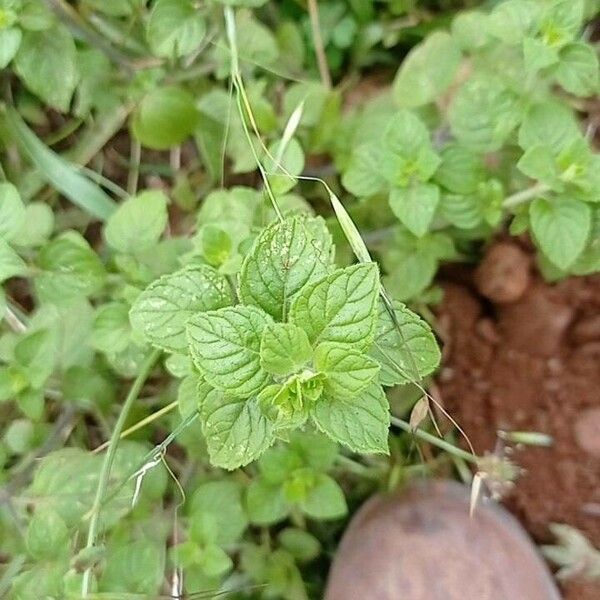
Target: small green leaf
[11, 264]
[266, 503]
[405, 347]
[361, 423]
[284, 349]
[325, 500]
[10, 40]
[578, 70]
[340, 308]
[483, 114]
[214, 561]
[512, 20]
[364, 176]
[285, 257]
[175, 28]
[427, 71]
[222, 500]
[235, 429]
[225, 346]
[551, 124]
[162, 311]
[47, 536]
[415, 206]
[69, 269]
[347, 372]
[47, 64]
[138, 222]
[460, 171]
[111, 331]
[165, 117]
[561, 228]
[538, 55]
[538, 163]
[301, 544]
[36, 227]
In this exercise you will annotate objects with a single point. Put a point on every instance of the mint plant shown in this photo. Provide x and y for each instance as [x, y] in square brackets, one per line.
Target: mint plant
[293, 351]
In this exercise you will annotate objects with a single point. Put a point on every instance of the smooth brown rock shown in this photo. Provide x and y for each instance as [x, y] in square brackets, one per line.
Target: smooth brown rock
[422, 545]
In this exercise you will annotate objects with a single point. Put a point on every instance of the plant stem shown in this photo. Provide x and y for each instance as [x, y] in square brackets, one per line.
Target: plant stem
[435, 441]
[149, 419]
[109, 459]
[525, 195]
[313, 11]
[355, 467]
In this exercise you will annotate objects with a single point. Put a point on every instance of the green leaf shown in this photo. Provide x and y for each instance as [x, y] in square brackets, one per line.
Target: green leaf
[61, 174]
[340, 308]
[364, 176]
[221, 500]
[285, 258]
[284, 349]
[175, 28]
[162, 311]
[405, 347]
[561, 228]
[165, 117]
[483, 114]
[225, 346]
[538, 163]
[325, 500]
[301, 544]
[407, 138]
[214, 561]
[513, 20]
[538, 55]
[138, 223]
[578, 70]
[47, 64]
[551, 124]
[361, 423]
[134, 568]
[235, 429]
[111, 332]
[460, 171]
[469, 29]
[10, 40]
[427, 71]
[347, 372]
[47, 536]
[11, 264]
[266, 503]
[69, 269]
[415, 206]
[37, 226]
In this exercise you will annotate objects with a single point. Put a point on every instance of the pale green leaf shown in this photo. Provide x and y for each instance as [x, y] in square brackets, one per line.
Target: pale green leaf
[285, 257]
[47, 535]
[235, 429]
[511, 21]
[284, 349]
[340, 308]
[550, 124]
[175, 28]
[460, 170]
[415, 206]
[561, 227]
[404, 346]
[47, 64]
[325, 500]
[12, 211]
[111, 331]
[10, 40]
[69, 268]
[364, 176]
[427, 71]
[266, 503]
[347, 372]
[578, 70]
[138, 222]
[361, 423]
[162, 311]
[225, 346]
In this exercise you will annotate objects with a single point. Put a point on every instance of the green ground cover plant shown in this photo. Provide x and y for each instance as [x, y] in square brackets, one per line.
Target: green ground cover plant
[217, 267]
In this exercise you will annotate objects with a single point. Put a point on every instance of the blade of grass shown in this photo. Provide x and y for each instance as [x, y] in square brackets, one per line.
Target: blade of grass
[61, 174]
[109, 459]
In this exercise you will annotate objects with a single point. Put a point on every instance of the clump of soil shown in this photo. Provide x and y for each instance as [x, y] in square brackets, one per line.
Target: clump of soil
[521, 354]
